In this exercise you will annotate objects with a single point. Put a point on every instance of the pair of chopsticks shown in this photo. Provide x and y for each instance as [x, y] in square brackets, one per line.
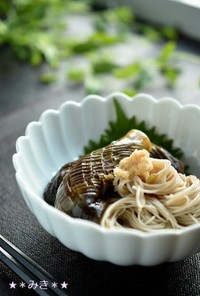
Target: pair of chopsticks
[25, 268]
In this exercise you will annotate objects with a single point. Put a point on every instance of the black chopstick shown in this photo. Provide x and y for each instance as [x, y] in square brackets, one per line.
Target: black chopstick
[25, 268]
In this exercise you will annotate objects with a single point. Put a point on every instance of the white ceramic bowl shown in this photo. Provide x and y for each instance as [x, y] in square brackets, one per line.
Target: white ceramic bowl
[59, 136]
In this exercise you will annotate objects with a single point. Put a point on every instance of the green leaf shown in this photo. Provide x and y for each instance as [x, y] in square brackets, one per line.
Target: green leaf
[165, 65]
[118, 14]
[151, 32]
[22, 53]
[3, 28]
[93, 42]
[122, 125]
[171, 74]
[143, 78]
[103, 66]
[130, 92]
[4, 6]
[77, 74]
[78, 7]
[169, 33]
[92, 85]
[47, 78]
[36, 58]
[128, 71]
[82, 46]
[166, 52]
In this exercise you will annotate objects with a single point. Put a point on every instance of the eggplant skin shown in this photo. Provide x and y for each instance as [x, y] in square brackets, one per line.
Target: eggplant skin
[161, 153]
[52, 187]
[84, 188]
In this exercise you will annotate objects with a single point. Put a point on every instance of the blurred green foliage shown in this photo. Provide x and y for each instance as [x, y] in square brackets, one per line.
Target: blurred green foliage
[36, 32]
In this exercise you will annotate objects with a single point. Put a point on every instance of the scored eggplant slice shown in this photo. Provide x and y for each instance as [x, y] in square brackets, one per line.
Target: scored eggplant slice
[84, 188]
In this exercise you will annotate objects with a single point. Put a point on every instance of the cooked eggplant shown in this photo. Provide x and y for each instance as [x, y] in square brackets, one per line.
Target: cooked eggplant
[84, 188]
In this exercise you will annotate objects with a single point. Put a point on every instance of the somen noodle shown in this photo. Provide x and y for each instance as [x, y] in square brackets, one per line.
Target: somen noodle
[153, 195]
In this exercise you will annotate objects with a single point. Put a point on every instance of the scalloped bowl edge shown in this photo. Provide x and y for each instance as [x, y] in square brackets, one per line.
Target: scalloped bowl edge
[121, 247]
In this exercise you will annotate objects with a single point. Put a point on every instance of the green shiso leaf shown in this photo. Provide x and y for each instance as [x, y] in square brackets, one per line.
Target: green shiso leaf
[122, 125]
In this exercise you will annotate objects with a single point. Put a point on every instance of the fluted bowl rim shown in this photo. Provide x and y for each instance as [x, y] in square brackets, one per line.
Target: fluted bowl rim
[91, 230]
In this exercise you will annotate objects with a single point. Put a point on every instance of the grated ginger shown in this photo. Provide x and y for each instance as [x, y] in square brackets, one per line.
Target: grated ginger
[138, 163]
